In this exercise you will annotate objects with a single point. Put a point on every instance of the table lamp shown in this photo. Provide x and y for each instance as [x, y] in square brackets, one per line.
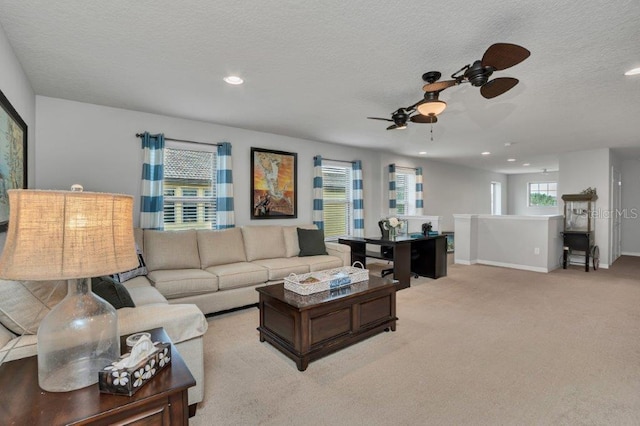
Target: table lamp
[71, 235]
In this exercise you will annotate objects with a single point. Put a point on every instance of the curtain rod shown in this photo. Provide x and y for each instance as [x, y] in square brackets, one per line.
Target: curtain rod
[182, 140]
[405, 167]
[339, 161]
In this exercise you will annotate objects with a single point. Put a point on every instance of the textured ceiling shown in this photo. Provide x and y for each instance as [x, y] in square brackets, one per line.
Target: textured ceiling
[316, 70]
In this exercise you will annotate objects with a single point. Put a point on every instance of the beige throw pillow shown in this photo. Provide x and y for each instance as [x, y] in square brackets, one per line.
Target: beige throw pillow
[171, 250]
[263, 242]
[220, 247]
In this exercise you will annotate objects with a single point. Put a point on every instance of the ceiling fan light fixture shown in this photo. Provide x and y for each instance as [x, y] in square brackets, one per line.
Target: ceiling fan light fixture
[433, 107]
[634, 71]
[401, 126]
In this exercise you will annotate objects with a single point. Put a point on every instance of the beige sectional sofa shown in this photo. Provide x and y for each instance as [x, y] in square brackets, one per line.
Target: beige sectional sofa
[219, 270]
[189, 273]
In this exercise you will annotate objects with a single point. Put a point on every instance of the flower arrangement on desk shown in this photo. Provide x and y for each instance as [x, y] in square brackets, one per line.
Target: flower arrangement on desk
[393, 224]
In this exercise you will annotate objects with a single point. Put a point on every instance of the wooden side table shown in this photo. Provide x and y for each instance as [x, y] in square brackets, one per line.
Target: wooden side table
[161, 401]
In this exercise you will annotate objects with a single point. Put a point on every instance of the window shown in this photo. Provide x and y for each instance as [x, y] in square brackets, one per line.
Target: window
[337, 200]
[189, 187]
[543, 194]
[496, 198]
[406, 191]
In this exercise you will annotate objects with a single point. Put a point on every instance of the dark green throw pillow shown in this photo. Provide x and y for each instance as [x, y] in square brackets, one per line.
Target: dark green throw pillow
[311, 242]
[114, 293]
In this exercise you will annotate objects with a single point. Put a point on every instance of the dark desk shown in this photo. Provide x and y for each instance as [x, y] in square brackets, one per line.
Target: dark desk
[431, 259]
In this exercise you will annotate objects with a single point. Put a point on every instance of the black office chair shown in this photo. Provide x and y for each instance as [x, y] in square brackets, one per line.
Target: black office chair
[387, 252]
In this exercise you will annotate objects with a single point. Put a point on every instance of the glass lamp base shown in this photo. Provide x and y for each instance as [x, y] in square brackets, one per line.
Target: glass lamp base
[77, 339]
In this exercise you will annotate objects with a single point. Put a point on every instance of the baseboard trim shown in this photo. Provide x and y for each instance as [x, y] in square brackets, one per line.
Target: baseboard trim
[465, 262]
[630, 253]
[515, 266]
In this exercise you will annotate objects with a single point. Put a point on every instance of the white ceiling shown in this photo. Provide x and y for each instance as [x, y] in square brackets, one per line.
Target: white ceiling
[316, 70]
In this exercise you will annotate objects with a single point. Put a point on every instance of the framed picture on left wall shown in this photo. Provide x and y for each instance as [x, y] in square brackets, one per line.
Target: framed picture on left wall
[13, 156]
[274, 184]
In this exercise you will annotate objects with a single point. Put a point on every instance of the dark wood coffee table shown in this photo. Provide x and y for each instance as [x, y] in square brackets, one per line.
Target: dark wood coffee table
[161, 401]
[306, 328]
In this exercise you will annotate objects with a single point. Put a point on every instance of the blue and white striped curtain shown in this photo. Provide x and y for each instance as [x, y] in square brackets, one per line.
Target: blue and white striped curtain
[358, 201]
[151, 198]
[419, 192]
[318, 206]
[392, 190]
[225, 217]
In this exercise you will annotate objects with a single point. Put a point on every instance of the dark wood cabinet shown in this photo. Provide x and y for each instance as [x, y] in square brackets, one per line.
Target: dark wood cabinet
[306, 328]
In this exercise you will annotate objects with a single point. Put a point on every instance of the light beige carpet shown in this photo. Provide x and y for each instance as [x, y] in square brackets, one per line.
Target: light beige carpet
[482, 346]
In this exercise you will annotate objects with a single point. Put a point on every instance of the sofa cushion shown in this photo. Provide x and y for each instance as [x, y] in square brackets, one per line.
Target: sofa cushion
[282, 267]
[320, 263]
[148, 295]
[114, 293]
[311, 242]
[290, 233]
[23, 304]
[171, 250]
[180, 321]
[263, 242]
[242, 274]
[174, 283]
[220, 247]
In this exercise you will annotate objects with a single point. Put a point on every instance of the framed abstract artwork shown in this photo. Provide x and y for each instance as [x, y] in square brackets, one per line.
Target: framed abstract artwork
[13, 156]
[274, 184]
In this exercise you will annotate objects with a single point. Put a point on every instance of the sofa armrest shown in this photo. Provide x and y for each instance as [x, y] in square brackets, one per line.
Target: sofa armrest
[342, 251]
[181, 322]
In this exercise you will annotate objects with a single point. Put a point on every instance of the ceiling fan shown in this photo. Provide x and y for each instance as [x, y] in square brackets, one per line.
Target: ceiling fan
[498, 57]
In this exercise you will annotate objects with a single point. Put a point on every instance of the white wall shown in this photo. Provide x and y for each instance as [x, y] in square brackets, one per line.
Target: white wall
[530, 243]
[96, 146]
[448, 189]
[16, 87]
[518, 202]
[630, 169]
[584, 169]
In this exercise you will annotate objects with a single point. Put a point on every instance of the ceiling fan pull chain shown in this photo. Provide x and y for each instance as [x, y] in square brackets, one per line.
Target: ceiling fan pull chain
[431, 132]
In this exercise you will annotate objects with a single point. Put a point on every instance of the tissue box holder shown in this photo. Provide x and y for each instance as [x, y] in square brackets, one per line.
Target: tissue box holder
[127, 381]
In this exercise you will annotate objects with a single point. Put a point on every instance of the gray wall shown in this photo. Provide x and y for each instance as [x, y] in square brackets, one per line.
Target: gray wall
[96, 146]
[517, 194]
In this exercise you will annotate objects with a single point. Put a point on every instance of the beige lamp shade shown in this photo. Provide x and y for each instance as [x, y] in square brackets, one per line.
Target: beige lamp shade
[67, 234]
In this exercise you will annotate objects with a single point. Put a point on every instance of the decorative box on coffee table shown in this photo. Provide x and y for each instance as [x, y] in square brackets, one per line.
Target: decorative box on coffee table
[307, 327]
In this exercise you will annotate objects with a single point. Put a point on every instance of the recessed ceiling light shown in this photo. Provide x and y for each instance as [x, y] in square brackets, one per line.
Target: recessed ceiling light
[423, 153]
[485, 153]
[634, 71]
[511, 160]
[508, 143]
[526, 164]
[232, 79]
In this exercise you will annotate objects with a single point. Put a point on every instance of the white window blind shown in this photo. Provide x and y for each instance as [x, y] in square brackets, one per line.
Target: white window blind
[189, 188]
[406, 191]
[337, 200]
